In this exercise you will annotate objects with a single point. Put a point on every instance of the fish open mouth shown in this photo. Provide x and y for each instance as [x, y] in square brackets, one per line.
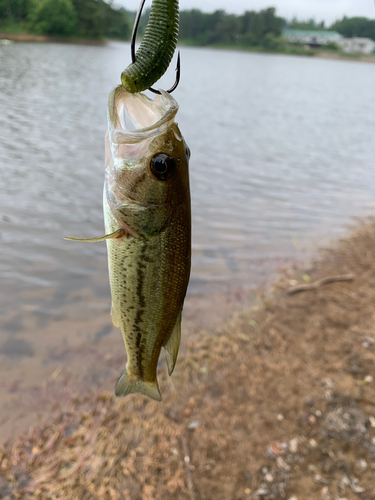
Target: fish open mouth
[135, 117]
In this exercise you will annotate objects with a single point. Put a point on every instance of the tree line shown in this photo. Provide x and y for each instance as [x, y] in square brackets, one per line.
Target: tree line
[348, 27]
[101, 19]
[82, 18]
[252, 28]
[263, 28]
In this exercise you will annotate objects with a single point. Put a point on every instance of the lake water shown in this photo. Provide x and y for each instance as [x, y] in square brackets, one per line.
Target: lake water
[282, 147]
[283, 155]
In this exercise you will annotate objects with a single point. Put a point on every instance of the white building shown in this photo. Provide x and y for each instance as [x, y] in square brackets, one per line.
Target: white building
[357, 45]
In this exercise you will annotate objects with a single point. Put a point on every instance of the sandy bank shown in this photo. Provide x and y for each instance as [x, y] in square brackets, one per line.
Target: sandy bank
[339, 56]
[24, 37]
[277, 402]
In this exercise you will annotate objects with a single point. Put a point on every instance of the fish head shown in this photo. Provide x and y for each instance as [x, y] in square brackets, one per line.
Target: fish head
[147, 158]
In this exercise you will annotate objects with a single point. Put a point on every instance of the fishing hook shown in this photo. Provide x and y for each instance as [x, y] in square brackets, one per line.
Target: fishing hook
[133, 38]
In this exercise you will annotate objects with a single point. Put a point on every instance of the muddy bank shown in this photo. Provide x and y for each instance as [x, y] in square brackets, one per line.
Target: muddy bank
[278, 402]
[346, 57]
[27, 37]
[318, 53]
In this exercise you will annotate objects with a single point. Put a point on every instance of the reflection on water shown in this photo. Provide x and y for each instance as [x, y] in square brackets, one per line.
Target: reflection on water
[282, 157]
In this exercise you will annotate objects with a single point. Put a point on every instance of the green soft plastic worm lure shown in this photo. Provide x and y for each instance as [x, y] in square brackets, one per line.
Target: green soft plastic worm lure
[157, 47]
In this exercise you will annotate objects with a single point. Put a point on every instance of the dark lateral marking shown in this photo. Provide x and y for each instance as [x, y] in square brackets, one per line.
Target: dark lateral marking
[140, 311]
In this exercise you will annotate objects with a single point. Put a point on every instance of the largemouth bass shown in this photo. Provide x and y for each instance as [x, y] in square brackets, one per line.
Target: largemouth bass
[148, 222]
[146, 203]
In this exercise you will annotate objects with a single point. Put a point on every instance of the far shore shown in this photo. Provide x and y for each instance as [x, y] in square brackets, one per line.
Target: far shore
[27, 37]
[347, 57]
[323, 54]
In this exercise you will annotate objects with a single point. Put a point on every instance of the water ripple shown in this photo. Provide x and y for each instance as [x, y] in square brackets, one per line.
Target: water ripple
[282, 158]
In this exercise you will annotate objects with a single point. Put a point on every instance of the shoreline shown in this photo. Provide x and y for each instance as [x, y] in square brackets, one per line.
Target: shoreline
[26, 37]
[279, 389]
[344, 57]
[317, 54]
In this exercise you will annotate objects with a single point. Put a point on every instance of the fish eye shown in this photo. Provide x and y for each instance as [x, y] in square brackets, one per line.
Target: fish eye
[162, 166]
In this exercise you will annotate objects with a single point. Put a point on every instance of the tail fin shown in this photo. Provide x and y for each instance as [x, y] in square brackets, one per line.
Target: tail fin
[124, 386]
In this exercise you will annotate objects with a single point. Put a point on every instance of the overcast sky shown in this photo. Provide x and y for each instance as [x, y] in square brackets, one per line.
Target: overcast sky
[329, 10]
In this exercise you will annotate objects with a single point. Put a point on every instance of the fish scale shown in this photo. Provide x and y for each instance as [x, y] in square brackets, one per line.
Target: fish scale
[138, 269]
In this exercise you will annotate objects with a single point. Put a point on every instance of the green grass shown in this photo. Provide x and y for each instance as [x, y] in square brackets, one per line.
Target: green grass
[15, 28]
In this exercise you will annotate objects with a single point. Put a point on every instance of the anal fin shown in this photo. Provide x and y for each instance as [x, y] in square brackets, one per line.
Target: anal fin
[115, 318]
[172, 345]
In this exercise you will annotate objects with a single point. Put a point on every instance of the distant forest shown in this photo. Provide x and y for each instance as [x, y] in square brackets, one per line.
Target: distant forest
[66, 18]
[100, 19]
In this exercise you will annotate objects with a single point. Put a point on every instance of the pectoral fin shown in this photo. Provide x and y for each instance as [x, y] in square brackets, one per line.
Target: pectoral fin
[120, 233]
[172, 345]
